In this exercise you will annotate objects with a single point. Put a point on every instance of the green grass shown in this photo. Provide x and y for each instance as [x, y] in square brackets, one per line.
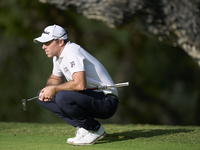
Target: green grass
[32, 136]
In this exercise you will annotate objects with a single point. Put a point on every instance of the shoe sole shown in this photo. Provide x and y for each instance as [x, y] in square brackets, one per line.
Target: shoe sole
[99, 138]
[71, 142]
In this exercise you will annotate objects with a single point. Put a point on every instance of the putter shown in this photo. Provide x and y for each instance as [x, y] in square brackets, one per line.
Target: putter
[24, 101]
[104, 87]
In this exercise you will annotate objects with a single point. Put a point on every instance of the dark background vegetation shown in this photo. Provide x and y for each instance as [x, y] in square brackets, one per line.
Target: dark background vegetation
[164, 80]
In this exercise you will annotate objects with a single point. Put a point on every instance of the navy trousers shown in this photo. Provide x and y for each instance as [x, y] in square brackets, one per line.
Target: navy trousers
[80, 108]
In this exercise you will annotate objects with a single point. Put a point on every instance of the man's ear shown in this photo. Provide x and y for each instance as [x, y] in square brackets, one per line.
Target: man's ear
[61, 42]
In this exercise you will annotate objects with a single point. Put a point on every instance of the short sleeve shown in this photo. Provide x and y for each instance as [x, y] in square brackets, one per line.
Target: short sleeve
[76, 62]
[56, 69]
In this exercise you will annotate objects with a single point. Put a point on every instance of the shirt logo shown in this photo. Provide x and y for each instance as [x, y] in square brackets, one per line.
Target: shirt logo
[72, 64]
[65, 69]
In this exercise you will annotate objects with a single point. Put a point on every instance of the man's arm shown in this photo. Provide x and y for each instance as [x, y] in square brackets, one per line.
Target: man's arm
[54, 80]
[77, 84]
[55, 85]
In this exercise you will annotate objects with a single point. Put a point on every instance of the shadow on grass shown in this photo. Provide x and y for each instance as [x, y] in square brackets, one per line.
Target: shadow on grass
[140, 133]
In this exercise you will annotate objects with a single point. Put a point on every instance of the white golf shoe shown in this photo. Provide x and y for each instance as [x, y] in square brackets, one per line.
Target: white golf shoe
[80, 132]
[90, 137]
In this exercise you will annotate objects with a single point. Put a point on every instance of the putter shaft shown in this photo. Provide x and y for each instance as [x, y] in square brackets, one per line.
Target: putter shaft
[32, 98]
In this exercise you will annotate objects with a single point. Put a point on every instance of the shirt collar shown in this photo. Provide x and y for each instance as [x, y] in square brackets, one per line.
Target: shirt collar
[62, 54]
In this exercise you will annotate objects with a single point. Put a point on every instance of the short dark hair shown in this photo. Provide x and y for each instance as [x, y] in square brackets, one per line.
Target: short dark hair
[65, 40]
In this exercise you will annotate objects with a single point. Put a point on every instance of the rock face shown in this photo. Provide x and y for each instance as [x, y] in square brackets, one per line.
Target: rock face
[174, 21]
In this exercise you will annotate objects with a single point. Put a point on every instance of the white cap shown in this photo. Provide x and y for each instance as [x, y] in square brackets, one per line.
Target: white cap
[52, 32]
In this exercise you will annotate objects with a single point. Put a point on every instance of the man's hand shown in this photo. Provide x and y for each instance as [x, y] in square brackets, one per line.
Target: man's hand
[55, 84]
[47, 93]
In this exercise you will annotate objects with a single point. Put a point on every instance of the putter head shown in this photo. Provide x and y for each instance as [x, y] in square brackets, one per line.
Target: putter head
[24, 104]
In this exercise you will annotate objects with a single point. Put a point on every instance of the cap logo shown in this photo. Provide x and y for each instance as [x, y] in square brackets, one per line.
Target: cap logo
[45, 32]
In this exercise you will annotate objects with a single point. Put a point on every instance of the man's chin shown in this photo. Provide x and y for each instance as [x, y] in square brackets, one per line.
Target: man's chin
[49, 56]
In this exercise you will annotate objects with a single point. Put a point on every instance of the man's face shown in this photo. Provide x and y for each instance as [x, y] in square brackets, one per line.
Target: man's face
[51, 48]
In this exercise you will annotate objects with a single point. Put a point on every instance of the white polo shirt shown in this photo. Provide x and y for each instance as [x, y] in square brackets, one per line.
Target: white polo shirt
[74, 59]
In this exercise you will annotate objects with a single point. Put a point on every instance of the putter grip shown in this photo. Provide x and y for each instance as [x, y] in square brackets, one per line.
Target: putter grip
[122, 84]
[111, 86]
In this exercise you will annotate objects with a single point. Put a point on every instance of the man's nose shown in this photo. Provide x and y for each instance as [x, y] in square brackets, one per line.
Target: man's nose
[44, 46]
